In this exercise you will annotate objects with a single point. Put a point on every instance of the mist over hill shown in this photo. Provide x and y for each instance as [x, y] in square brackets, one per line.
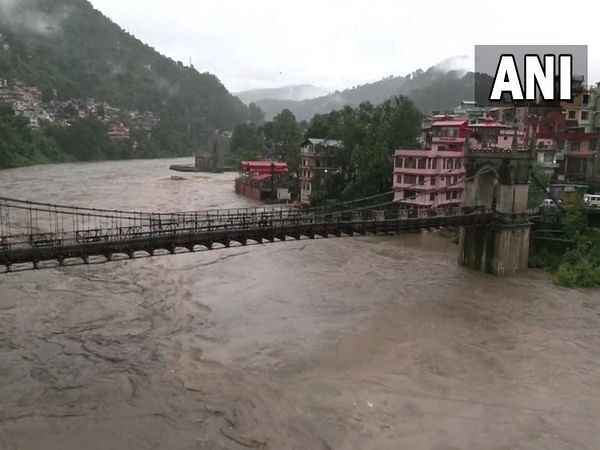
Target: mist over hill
[441, 87]
[296, 92]
[71, 51]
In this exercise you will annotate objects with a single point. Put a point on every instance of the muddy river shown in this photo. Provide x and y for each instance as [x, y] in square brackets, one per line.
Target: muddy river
[355, 343]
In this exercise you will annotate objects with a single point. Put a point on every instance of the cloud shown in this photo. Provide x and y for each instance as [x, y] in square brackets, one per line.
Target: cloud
[23, 16]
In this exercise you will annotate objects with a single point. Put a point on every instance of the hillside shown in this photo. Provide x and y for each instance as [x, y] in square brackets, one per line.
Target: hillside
[296, 92]
[434, 89]
[71, 51]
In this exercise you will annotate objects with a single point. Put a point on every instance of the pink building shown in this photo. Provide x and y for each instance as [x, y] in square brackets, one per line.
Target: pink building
[118, 132]
[432, 176]
[492, 135]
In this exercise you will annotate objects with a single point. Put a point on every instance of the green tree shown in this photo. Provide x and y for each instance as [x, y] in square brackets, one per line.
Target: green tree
[246, 143]
[255, 114]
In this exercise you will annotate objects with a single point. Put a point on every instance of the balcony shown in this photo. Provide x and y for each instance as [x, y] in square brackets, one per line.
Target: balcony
[448, 140]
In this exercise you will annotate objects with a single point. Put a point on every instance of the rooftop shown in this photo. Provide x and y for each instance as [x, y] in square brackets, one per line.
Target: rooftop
[450, 123]
[324, 142]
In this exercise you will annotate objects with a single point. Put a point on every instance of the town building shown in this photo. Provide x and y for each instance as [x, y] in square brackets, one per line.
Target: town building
[432, 176]
[265, 181]
[580, 111]
[471, 111]
[580, 149]
[317, 156]
[118, 132]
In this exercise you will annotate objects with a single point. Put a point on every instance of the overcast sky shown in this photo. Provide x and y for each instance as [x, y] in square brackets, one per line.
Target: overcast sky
[339, 44]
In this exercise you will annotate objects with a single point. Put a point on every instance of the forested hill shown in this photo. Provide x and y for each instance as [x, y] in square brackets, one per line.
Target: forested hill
[434, 89]
[72, 51]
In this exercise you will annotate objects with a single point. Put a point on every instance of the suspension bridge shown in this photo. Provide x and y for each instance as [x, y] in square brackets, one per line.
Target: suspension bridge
[36, 235]
[494, 224]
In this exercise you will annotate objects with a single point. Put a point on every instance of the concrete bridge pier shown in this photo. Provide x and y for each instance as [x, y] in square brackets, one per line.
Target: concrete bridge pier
[501, 182]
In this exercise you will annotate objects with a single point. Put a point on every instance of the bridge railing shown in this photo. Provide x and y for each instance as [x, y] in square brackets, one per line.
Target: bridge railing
[223, 224]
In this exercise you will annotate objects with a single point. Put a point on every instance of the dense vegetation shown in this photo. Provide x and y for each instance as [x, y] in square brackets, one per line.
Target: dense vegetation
[71, 51]
[84, 140]
[370, 134]
[278, 139]
[578, 263]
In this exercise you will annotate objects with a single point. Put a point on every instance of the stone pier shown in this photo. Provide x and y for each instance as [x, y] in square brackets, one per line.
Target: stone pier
[498, 180]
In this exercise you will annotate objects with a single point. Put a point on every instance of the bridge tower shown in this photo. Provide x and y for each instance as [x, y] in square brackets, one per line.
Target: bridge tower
[498, 180]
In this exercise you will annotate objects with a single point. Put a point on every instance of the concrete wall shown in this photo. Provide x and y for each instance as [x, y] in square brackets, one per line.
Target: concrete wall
[512, 198]
[480, 190]
[247, 191]
[511, 251]
[499, 251]
[503, 248]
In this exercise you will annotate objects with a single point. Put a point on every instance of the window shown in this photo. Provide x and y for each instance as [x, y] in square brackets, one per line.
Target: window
[410, 163]
[584, 115]
[449, 164]
[548, 158]
[409, 195]
[399, 179]
[399, 162]
[410, 179]
[318, 164]
[441, 148]
[454, 195]
[448, 195]
[421, 164]
[586, 99]
[572, 114]
[421, 180]
[432, 196]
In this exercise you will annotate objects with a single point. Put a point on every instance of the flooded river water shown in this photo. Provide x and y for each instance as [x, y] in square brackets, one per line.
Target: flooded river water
[356, 343]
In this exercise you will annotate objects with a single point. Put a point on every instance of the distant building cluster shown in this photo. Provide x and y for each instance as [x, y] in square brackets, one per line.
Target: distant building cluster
[563, 136]
[27, 102]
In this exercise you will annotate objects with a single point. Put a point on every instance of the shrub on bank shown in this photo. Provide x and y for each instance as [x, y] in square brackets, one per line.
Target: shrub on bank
[583, 274]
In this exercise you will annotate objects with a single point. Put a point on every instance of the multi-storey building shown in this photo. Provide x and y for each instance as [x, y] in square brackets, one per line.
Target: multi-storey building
[580, 150]
[317, 156]
[580, 111]
[432, 176]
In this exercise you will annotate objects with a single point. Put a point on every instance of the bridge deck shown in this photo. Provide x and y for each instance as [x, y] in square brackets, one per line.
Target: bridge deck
[192, 233]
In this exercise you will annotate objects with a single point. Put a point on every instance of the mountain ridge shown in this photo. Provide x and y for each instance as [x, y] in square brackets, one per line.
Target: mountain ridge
[71, 50]
[414, 85]
[294, 92]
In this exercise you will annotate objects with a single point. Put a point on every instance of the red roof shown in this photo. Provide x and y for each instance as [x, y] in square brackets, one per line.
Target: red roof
[264, 166]
[488, 125]
[449, 123]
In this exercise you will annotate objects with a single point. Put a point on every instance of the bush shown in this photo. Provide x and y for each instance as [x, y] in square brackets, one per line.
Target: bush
[581, 274]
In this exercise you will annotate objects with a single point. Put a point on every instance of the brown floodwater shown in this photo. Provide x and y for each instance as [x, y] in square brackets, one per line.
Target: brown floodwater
[355, 343]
